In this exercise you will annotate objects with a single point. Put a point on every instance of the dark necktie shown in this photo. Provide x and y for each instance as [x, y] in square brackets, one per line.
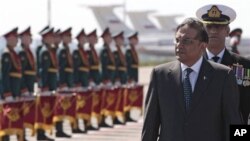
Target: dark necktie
[216, 58]
[187, 89]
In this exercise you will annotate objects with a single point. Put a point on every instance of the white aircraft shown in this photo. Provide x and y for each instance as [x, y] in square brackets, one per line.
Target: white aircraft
[153, 41]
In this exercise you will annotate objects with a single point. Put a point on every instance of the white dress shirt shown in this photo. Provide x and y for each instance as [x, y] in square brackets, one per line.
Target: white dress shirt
[194, 74]
[210, 55]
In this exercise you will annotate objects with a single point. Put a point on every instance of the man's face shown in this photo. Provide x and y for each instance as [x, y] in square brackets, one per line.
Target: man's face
[66, 38]
[49, 39]
[92, 39]
[187, 47]
[12, 40]
[134, 40]
[26, 40]
[107, 38]
[57, 39]
[217, 33]
[82, 40]
[119, 41]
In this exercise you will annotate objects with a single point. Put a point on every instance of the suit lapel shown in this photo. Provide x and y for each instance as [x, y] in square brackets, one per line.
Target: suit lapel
[203, 80]
[227, 59]
[176, 79]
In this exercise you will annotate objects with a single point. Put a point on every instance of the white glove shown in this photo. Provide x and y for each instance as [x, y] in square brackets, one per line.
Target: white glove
[92, 84]
[45, 93]
[9, 98]
[64, 89]
[117, 83]
[25, 94]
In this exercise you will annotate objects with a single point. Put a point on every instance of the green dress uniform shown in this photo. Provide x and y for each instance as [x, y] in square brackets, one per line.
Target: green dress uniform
[11, 73]
[81, 67]
[65, 67]
[121, 66]
[38, 49]
[48, 69]
[108, 64]
[94, 66]
[132, 64]
[28, 69]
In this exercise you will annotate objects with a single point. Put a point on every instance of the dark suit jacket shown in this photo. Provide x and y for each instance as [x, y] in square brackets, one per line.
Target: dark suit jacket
[229, 59]
[214, 105]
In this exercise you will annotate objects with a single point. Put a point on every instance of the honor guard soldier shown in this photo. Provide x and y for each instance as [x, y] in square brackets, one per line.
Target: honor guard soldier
[48, 71]
[58, 39]
[107, 59]
[11, 70]
[108, 66]
[28, 63]
[28, 66]
[121, 64]
[132, 58]
[81, 72]
[65, 72]
[38, 49]
[81, 62]
[121, 77]
[65, 61]
[132, 65]
[11, 67]
[95, 76]
[48, 62]
[235, 38]
[217, 19]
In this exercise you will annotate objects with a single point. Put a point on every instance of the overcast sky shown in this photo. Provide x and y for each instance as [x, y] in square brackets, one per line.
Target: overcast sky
[74, 13]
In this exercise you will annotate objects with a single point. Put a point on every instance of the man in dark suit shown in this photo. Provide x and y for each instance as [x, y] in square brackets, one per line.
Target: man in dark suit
[191, 99]
[217, 19]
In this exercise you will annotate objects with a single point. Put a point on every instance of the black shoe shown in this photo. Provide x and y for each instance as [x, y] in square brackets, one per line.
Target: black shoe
[6, 138]
[103, 124]
[128, 118]
[91, 128]
[78, 131]
[116, 121]
[44, 138]
[61, 134]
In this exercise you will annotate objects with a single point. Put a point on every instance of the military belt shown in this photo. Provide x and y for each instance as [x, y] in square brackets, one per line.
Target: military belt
[15, 74]
[122, 69]
[134, 66]
[94, 67]
[54, 70]
[29, 72]
[111, 67]
[68, 70]
[85, 69]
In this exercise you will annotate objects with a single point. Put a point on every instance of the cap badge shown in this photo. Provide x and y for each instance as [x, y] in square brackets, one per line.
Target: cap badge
[214, 12]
